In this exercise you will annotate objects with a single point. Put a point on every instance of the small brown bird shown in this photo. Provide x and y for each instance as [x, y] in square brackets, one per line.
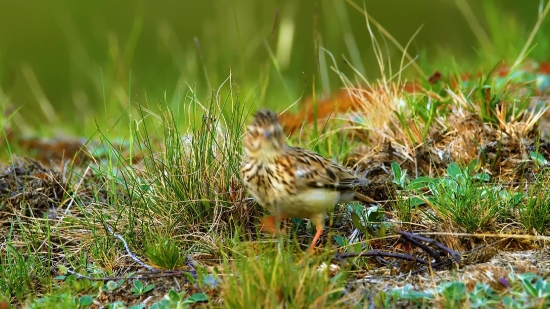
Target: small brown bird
[292, 182]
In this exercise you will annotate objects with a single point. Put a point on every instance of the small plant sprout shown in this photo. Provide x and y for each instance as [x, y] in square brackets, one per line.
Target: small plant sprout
[138, 289]
[174, 299]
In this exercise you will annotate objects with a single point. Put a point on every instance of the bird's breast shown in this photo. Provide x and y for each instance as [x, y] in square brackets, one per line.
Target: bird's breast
[266, 183]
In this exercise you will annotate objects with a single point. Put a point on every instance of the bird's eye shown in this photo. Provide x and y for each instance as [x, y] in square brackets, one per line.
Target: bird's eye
[267, 134]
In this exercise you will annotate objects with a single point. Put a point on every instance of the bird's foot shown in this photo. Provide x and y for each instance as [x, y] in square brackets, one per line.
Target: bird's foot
[268, 226]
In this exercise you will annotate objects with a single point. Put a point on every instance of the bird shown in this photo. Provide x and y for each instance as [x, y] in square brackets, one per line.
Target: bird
[292, 182]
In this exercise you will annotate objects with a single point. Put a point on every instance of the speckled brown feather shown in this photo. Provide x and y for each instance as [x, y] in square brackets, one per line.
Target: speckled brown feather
[314, 170]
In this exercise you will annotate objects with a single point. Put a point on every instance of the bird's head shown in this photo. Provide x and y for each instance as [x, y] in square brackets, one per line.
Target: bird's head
[265, 137]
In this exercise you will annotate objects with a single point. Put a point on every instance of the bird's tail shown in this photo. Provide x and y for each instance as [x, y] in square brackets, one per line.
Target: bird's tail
[365, 199]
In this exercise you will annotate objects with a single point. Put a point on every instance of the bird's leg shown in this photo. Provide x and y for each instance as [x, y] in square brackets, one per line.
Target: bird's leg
[269, 225]
[319, 226]
[315, 238]
[272, 224]
[319, 222]
[278, 218]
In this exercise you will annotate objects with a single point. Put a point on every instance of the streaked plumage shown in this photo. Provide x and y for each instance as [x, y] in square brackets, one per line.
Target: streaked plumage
[292, 182]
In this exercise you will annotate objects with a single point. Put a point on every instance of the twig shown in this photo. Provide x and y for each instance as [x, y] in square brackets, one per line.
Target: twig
[424, 247]
[135, 258]
[483, 235]
[455, 255]
[408, 257]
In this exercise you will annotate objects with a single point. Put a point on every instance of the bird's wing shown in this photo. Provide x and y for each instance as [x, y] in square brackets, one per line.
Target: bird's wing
[313, 170]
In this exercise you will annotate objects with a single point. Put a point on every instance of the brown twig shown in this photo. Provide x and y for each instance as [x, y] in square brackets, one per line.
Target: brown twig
[374, 253]
[454, 255]
[432, 253]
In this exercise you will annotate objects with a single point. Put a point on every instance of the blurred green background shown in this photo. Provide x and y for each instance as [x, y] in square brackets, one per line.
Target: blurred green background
[65, 62]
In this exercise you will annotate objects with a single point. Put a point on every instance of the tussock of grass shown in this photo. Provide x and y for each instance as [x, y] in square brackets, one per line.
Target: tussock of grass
[273, 280]
[465, 200]
[535, 212]
[183, 178]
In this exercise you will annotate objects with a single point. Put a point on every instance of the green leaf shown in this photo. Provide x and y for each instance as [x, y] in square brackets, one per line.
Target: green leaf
[517, 197]
[416, 201]
[407, 292]
[419, 183]
[190, 278]
[450, 185]
[382, 230]
[433, 188]
[341, 241]
[197, 297]
[472, 166]
[110, 285]
[528, 286]
[454, 171]
[371, 231]
[508, 302]
[374, 214]
[131, 274]
[62, 269]
[173, 296]
[161, 304]
[86, 300]
[358, 209]
[397, 173]
[538, 158]
[148, 288]
[357, 222]
[482, 176]
[542, 288]
[140, 306]
[452, 290]
[138, 285]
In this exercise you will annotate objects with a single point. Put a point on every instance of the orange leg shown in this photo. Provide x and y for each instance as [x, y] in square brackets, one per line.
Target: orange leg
[319, 221]
[269, 225]
[319, 229]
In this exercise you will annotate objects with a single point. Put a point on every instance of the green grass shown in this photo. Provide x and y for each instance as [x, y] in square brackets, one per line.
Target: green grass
[273, 280]
[182, 206]
[534, 213]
